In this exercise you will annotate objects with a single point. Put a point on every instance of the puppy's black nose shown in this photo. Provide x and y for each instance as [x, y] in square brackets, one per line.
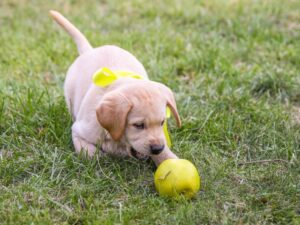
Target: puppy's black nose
[156, 149]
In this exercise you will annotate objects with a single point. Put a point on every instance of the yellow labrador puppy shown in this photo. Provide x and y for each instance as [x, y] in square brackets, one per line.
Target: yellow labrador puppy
[125, 118]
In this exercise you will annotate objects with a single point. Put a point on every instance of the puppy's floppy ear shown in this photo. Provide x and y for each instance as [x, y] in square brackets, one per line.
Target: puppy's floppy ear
[112, 113]
[171, 103]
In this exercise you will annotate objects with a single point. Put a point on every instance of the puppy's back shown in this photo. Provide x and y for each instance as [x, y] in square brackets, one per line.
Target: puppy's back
[79, 75]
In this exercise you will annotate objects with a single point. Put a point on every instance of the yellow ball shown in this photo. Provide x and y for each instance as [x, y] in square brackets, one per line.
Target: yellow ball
[175, 177]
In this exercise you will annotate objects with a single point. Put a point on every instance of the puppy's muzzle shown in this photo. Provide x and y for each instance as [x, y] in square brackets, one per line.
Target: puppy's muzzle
[156, 149]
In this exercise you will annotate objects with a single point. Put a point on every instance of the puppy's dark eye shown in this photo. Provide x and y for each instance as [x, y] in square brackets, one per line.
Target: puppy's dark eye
[140, 126]
[162, 123]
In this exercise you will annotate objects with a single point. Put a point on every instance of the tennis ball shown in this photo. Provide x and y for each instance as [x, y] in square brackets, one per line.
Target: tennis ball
[175, 177]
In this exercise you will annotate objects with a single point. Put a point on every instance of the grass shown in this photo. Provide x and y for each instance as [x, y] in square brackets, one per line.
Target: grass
[234, 66]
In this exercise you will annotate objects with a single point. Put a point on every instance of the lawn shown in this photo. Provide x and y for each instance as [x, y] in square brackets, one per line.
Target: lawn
[234, 67]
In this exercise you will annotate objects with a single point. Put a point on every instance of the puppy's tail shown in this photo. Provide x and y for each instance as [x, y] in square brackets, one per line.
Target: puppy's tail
[82, 43]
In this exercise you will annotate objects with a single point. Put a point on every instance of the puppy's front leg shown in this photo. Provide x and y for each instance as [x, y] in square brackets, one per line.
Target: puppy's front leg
[165, 154]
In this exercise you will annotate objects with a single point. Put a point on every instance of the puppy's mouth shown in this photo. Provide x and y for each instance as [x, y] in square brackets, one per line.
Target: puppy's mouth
[134, 153]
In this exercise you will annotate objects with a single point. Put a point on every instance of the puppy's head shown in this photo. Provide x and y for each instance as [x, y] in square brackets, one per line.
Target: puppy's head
[137, 112]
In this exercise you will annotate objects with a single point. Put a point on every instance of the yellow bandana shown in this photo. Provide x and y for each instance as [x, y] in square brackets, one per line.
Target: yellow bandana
[104, 77]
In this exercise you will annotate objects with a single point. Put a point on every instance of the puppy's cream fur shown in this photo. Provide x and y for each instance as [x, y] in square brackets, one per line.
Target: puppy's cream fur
[108, 116]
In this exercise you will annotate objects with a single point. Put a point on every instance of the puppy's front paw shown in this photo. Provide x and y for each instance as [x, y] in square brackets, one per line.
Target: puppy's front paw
[87, 149]
[82, 146]
[90, 150]
[113, 148]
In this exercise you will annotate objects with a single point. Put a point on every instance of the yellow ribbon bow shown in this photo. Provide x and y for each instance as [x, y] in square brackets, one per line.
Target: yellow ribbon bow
[104, 77]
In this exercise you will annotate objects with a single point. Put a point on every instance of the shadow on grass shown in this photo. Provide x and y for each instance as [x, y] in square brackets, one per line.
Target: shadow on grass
[276, 87]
